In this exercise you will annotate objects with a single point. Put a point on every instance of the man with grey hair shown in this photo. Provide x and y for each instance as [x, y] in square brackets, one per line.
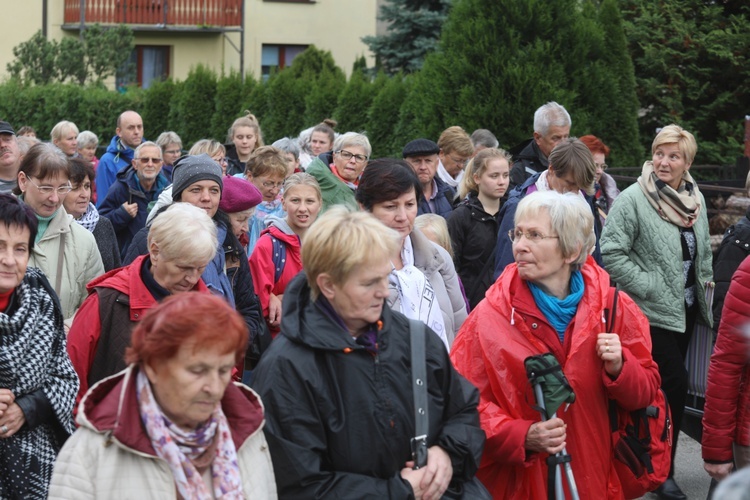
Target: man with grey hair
[10, 158]
[482, 138]
[551, 125]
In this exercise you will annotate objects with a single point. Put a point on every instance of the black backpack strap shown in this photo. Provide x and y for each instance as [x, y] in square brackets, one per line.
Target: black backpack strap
[611, 314]
[419, 380]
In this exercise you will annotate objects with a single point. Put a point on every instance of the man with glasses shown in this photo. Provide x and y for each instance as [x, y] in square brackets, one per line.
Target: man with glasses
[571, 170]
[422, 155]
[456, 150]
[10, 158]
[551, 126]
[134, 192]
[129, 135]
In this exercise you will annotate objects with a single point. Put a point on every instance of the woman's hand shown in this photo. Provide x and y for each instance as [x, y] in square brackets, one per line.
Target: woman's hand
[548, 436]
[431, 481]
[6, 399]
[274, 309]
[11, 421]
[609, 349]
[718, 471]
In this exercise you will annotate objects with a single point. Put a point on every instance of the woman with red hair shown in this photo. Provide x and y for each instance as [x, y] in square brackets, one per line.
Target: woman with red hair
[605, 185]
[176, 421]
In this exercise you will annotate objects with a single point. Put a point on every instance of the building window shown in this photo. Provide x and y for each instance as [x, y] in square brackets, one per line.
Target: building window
[146, 64]
[278, 56]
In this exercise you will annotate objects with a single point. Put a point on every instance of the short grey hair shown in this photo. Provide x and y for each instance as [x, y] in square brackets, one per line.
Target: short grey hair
[147, 144]
[288, 145]
[87, 139]
[571, 219]
[550, 115]
[352, 139]
[184, 231]
[167, 138]
[483, 137]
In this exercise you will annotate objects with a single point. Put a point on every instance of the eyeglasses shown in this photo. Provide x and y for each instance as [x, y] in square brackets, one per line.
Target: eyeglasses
[603, 166]
[221, 161]
[155, 161]
[47, 190]
[460, 161]
[533, 236]
[346, 155]
[271, 184]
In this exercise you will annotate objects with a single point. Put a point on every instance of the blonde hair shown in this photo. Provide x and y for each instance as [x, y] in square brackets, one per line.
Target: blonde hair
[209, 146]
[570, 217]
[456, 139]
[267, 160]
[61, 128]
[184, 231]
[249, 120]
[341, 241]
[302, 179]
[478, 165]
[436, 229]
[672, 134]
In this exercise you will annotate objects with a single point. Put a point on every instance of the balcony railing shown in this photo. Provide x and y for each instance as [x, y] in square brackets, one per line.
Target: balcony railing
[167, 13]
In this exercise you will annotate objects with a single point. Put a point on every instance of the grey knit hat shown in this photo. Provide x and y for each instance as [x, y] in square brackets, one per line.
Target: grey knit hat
[191, 169]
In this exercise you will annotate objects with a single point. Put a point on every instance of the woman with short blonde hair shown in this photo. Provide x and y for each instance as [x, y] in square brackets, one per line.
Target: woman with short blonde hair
[64, 135]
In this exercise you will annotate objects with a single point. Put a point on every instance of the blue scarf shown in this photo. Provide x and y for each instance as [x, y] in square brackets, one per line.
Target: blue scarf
[559, 312]
[214, 276]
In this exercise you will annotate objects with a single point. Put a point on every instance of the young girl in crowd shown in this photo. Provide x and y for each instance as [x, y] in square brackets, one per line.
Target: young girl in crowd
[321, 141]
[243, 137]
[267, 169]
[473, 224]
[276, 257]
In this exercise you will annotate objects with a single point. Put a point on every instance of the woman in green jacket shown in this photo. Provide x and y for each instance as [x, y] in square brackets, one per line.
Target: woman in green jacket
[656, 246]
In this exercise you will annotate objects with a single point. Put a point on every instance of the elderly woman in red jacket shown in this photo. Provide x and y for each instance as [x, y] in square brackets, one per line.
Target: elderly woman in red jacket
[552, 299]
[726, 417]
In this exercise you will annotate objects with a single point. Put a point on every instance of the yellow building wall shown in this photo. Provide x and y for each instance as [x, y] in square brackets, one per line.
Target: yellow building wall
[333, 25]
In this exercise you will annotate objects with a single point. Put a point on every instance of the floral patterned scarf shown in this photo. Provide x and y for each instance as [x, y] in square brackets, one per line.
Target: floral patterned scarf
[179, 448]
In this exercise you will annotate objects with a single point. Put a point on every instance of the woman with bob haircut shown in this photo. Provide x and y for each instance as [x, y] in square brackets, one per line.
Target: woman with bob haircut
[338, 171]
[64, 250]
[553, 300]
[172, 424]
[301, 203]
[390, 190]
[656, 246]
[181, 242]
[37, 382]
[348, 433]
[243, 137]
[64, 136]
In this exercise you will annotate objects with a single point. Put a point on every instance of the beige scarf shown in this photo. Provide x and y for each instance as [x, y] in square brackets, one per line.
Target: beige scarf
[680, 207]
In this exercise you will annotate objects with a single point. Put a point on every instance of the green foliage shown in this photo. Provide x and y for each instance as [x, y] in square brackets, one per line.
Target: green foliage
[285, 99]
[692, 66]
[96, 57]
[230, 95]
[194, 105]
[413, 32]
[321, 100]
[354, 101]
[156, 107]
[383, 114]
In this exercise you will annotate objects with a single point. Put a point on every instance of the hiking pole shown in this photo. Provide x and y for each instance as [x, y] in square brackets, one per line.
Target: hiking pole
[562, 457]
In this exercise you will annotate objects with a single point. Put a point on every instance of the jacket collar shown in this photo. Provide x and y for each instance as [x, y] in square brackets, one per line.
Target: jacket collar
[58, 225]
[111, 407]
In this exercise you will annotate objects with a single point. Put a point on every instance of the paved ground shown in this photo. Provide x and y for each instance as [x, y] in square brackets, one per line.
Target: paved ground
[689, 473]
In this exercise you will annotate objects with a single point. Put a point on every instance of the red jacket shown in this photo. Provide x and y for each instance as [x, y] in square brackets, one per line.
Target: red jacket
[726, 416]
[263, 270]
[490, 350]
[85, 331]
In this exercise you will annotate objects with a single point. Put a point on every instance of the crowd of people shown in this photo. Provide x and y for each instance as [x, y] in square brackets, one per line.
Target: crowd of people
[300, 320]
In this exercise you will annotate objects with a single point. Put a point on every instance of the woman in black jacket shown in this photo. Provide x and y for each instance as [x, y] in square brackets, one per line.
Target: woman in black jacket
[336, 382]
[473, 224]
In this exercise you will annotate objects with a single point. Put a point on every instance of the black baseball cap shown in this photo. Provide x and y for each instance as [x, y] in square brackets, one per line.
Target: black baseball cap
[5, 128]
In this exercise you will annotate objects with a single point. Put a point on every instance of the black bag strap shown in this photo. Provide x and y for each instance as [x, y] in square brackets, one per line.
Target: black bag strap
[614, 292]
[419, 380]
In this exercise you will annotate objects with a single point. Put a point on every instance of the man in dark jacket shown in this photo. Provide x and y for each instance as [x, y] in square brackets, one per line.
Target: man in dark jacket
[551, 125]
[422, 155]
[734, 248]
[571, 169]
[130, 197]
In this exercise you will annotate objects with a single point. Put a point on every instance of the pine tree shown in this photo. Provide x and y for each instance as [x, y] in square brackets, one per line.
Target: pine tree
[353, 103]
[155, 111]
[383, 114]
[413, 32]
[194, 105]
